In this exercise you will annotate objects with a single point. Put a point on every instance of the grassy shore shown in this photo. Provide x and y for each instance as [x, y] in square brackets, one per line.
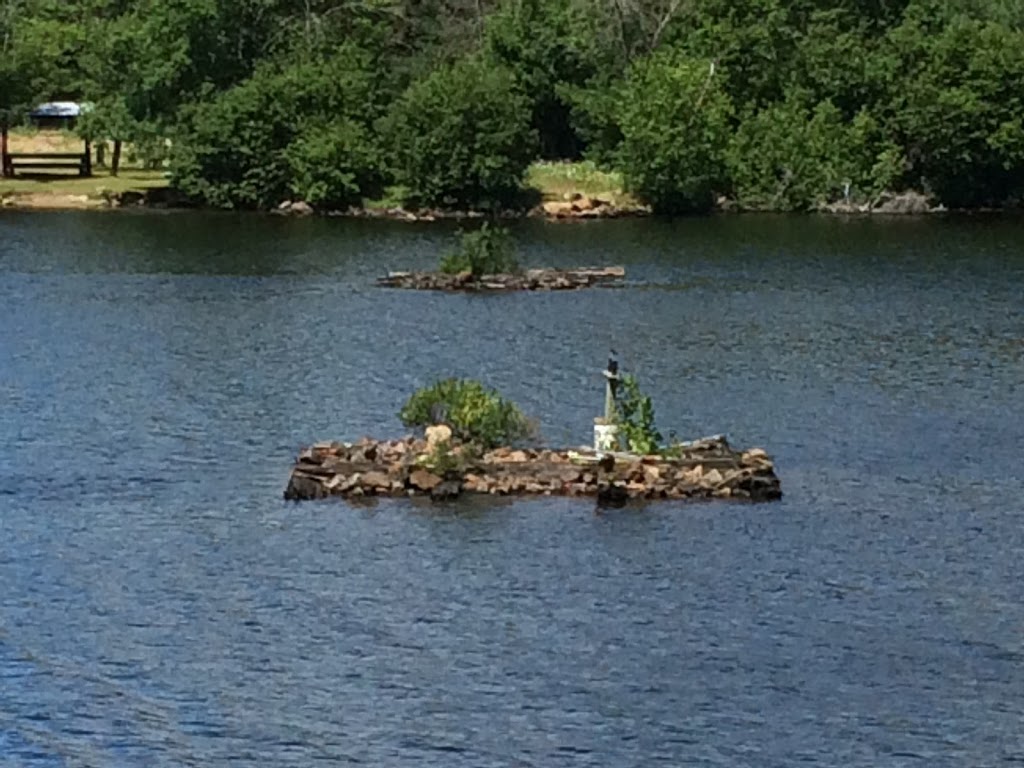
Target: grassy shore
[562, 180]
[554, 181]
[48, 189]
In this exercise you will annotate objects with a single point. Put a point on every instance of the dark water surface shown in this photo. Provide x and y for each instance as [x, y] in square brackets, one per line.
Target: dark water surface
[160, 605]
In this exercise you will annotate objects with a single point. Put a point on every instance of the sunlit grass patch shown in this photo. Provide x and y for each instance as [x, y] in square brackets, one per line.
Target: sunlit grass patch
[560, 180]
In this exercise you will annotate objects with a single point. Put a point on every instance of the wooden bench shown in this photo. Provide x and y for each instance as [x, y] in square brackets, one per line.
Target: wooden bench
[17, 161]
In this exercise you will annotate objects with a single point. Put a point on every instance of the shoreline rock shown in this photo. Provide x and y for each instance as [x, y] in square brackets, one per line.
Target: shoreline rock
[575, 208]
[704, 469]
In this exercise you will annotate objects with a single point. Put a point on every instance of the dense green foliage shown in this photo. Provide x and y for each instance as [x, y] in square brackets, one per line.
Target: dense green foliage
[674, 120]
[461, 137]
[303, 130]
[777, 104]
[486, 251]
[475, 413]
[635, 418]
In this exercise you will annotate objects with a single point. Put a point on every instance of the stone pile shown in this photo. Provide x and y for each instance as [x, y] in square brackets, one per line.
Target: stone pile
[704, 469]
[528, 280]
[579, 206]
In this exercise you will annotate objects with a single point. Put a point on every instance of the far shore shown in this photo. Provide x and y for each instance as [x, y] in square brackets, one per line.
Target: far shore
[565, 192]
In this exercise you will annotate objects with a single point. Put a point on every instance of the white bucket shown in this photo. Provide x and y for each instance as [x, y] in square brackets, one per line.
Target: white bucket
[606, 437]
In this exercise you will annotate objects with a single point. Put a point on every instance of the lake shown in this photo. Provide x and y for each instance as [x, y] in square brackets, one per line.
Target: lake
[161, 605]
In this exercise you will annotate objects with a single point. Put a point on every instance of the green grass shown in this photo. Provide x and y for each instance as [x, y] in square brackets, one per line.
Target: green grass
[64, 184]
[94, 186]
[561, 180]
[552, 180]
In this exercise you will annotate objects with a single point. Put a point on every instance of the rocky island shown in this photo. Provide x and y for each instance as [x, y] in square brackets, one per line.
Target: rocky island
[704, 469]
[471, 444]
[527, 280]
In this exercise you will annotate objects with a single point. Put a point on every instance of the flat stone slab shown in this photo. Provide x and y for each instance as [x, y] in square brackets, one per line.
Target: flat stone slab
[703, 469]
[528, 280]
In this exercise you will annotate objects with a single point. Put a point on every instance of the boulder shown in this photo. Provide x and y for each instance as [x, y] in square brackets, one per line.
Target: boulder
[557, 209]
[377, 480]
[424, 480]
[449, 489]
[909, 202]
[438, 433]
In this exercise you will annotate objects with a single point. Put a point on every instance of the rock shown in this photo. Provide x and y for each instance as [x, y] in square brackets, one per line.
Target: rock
[303, 487]
[694, 475]
[651, 474]
[300, 208]
[712, 479]
[438, 433]
[517, 457]
[449, 489]
[345, 483]
[909, 202]
[424, 480]
[376, 480]
[557, 209]
[612, 495]
[584, 204]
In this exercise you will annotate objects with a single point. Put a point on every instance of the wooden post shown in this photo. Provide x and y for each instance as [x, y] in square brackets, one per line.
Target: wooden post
[115, 161]
[87, 159]
[606, 428]
[3, 148]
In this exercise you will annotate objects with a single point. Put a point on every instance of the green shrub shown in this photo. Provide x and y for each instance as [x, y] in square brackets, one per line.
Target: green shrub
[487, 251]
[302, 130]
[674, 118]
[475, 413]
[959, 111]
[229, 154]
[462, 138]
[789, 157]
[334, 164]
[635, 418]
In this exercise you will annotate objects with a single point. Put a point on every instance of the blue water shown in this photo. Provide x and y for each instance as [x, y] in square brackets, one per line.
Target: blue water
[161, 605]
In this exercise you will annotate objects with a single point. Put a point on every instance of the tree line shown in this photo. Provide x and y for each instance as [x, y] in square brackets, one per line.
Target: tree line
[772, 104]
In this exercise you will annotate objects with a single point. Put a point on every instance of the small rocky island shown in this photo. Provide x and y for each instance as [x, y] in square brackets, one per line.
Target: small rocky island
[469, 431]
[485, 260]
[704, 469]
[526, 280]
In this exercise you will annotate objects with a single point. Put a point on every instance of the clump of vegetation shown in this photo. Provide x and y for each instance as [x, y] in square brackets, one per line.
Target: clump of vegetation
[462, 137]
[474, 413]
[675, 123]
[487, 251]
[635, 418]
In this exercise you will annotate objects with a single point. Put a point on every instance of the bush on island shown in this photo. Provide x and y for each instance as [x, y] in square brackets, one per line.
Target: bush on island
[489, 250]
[474, 413]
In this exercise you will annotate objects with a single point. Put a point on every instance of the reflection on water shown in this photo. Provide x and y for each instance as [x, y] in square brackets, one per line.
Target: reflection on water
[162, 606]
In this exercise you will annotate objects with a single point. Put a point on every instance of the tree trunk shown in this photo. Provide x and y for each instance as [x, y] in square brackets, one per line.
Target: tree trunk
[101, 154]
[115, 161]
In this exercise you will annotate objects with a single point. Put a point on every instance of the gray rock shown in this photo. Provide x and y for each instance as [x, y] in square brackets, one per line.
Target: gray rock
[910, 202]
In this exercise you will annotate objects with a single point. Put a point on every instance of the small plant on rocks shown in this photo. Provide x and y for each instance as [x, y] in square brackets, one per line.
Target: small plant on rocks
[474, 413]
[636, 418]
[486, 251]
